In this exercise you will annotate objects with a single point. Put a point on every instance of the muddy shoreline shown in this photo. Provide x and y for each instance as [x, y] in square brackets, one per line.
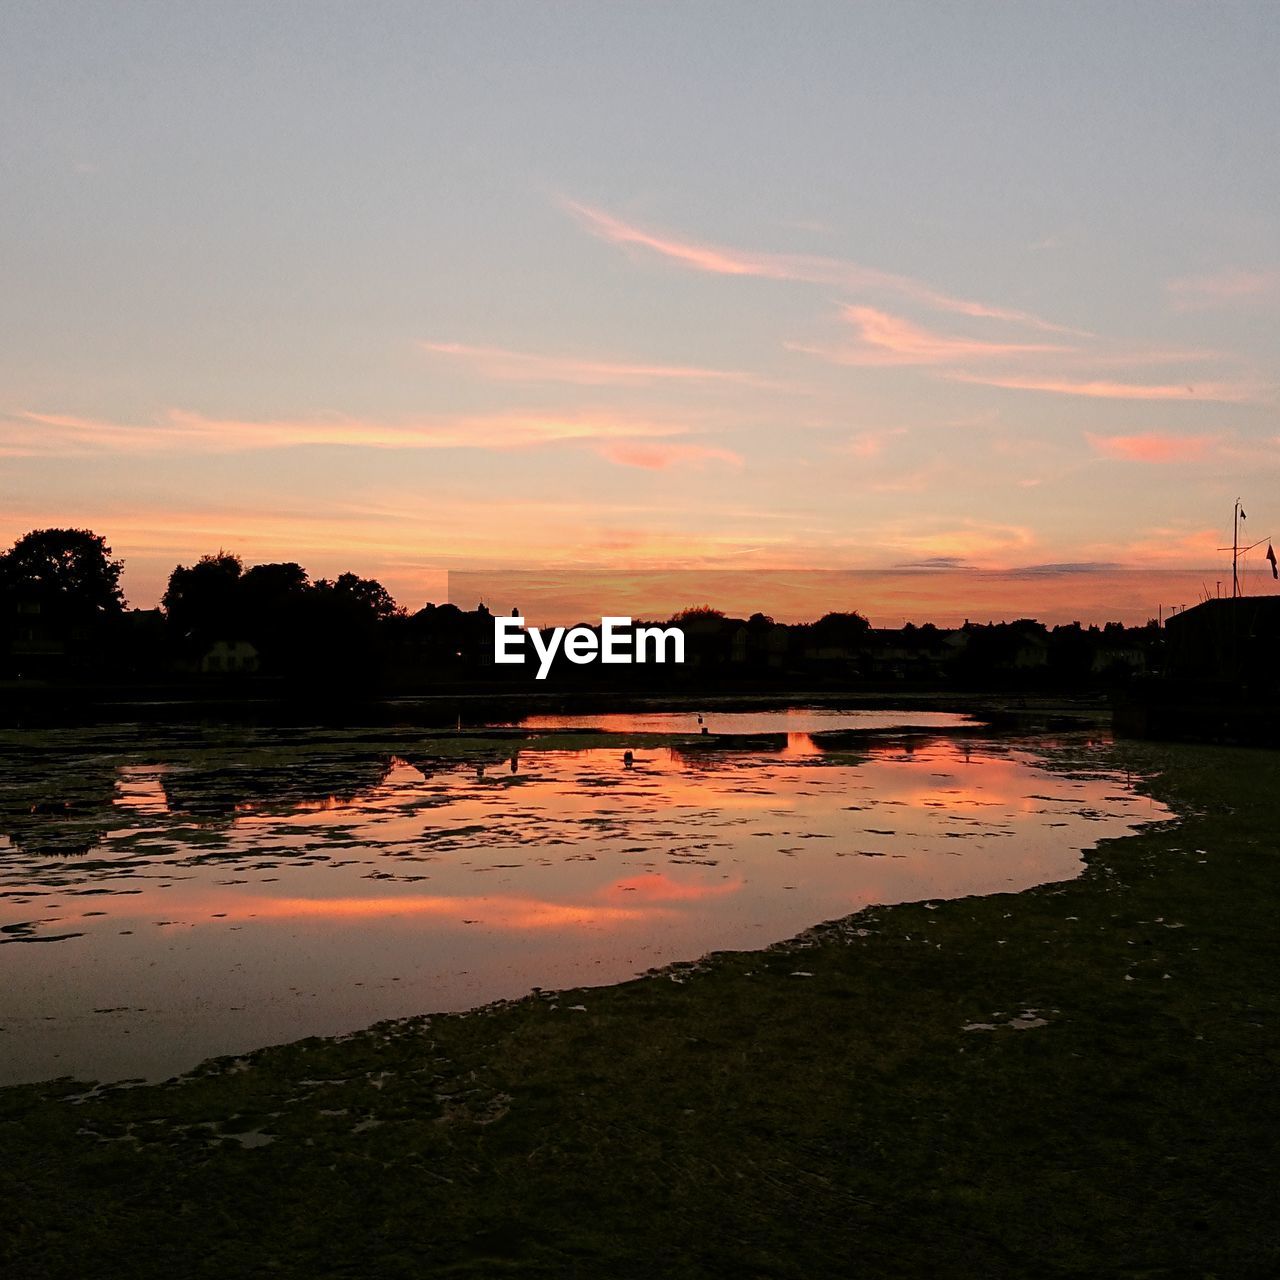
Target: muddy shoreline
[1078, 1079]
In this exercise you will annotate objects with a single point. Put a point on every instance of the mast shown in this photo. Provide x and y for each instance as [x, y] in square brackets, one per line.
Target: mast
[1235, 550]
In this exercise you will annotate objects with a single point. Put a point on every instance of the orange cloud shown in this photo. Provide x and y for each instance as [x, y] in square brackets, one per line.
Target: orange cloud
[1151, 447]
[660, 457]
[1220, 392]
[522, 366]
[803, 268]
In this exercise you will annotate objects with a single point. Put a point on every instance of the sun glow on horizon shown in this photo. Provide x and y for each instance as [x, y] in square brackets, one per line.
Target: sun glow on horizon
[595, 321]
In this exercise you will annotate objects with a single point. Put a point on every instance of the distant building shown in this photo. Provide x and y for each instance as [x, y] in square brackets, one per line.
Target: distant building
[1114, 659]
[1031, 654]
[33, 636]
[1228, 639]
[764, 646]
[229, 657]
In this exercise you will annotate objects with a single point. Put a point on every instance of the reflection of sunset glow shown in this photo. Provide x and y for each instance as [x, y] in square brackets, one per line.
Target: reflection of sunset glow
[504, 913]
[982, 784]
[402, 888]
[141, 789]
[495, 912]
[659, 887]
[328, 804]
[790, 720]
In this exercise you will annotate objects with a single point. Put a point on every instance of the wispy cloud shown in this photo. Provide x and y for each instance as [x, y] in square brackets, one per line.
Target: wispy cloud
[1068, 568]
[1176, 546]
[803, 268]
[1133, 357]
[870, 444]
[1223, 288]
[1219, 392]
[884, 339]
[919, 479]
[969, 541]
[1152, 446]
[662, 457]
[26, 434]
[935, 562]
[523, 366]
[404, 542]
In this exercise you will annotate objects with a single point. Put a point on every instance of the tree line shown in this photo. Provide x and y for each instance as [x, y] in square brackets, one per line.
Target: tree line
[63, 612]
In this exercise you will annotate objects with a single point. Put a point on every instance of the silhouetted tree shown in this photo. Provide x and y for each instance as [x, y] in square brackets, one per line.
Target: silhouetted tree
[278, 613]
[364, 596]
[840, 628]
[1071, 650]
[272, 586]
[69, 573]
[203, 602]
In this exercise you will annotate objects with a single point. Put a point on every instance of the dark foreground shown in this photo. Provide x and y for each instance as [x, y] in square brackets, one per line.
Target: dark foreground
[816, 1110]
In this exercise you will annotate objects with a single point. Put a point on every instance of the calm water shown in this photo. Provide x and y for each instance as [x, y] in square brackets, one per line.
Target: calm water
[209, 893]
[790, 720]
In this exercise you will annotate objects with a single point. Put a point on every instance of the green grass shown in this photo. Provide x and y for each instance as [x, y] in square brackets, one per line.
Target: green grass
[735, 1119]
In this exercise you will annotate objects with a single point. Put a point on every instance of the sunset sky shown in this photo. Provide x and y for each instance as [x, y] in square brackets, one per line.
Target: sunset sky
[410, 288]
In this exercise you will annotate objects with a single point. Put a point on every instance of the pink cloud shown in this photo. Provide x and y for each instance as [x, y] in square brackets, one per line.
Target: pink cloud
[1220, 392]
[972, 541]
[803, 268]
[884, 339]
[46, 434]
[701, 257]
[1224, 288]
[919, 480]
[661, 457]
[870, 444]
[521, 366]
[1176, 547]
[1151, 447]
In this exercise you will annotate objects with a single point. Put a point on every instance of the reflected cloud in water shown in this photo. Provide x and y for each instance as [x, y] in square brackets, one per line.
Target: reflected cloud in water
[210, 900]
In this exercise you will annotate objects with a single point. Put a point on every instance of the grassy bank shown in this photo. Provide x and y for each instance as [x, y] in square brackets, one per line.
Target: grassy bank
[1075, 1081]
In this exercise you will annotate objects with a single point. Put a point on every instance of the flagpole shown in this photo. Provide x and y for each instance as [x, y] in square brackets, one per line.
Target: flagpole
[1235, 550]
[1237, 514]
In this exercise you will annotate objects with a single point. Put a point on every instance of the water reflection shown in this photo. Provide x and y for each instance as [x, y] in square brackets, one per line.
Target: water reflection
[222, 792]
[785, 720]
[213, 901]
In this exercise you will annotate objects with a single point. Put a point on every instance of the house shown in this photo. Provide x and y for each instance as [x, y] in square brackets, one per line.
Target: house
[229, 657]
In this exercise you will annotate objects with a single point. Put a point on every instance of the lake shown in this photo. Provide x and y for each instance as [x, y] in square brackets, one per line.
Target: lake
[171, 894]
